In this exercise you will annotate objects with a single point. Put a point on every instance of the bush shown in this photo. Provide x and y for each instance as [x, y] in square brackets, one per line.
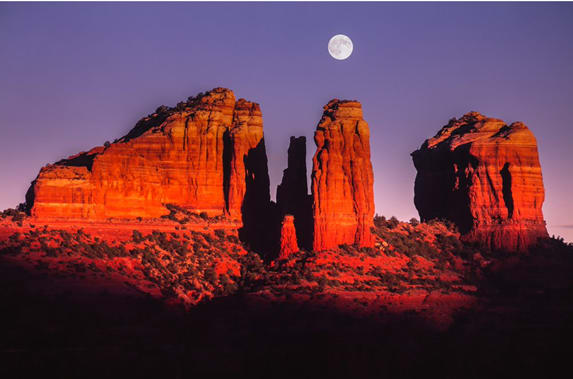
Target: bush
[162, 109]
[137, 236]
[393, 222]
[379, 221]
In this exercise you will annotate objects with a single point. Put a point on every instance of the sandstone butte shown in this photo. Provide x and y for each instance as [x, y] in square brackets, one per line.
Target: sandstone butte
[484, 176]
[206, 155]
[288, 243]
[342, 178]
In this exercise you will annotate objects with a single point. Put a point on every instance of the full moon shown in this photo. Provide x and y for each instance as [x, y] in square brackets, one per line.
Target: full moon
[340, 47]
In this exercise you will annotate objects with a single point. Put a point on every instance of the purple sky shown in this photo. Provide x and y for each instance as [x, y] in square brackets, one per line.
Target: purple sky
[75, 75]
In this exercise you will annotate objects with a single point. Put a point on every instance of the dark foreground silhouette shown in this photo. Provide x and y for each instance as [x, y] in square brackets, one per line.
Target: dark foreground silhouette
[521, 327]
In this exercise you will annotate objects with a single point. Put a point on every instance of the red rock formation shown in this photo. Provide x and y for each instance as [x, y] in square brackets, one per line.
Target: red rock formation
[342, 178]
[249, 185]
[248, 160]
[292, 193]
[484, 176]
[288, 244]
[192, 155]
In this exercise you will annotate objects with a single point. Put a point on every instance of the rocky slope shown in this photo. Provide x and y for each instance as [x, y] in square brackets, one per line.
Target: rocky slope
[204, 155]
[483, 175]
[342, 178]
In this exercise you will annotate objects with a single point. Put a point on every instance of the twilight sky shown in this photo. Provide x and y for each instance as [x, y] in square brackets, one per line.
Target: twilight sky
[75, 75]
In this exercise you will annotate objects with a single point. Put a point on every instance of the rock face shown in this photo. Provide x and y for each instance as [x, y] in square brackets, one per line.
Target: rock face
[206, 155]
[247, 172]
[292, 193]
[342, 178]
[484, 176]
[288, 244]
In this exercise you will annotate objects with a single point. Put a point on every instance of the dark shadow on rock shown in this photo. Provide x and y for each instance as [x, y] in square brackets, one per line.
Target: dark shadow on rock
[506, 189]
[292, 192]
[442, 184]
[256, 208]
[227, 157]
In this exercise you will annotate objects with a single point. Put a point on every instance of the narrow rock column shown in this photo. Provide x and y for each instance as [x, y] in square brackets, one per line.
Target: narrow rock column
[288, 237]
[342, 178]
[292, 193]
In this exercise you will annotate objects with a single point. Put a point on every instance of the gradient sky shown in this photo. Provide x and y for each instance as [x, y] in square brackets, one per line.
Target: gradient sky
[75, 75]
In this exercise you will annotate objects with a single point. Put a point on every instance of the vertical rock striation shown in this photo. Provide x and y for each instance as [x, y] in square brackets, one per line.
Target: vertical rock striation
[288, 243]
[247, 167]
[342, 178]
[249, 184]
[206, 154]
[484, 176]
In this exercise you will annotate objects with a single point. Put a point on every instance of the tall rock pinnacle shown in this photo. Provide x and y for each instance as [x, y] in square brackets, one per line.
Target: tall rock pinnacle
[484, 176]
[292, 193]
[288, 243]
[342, 178]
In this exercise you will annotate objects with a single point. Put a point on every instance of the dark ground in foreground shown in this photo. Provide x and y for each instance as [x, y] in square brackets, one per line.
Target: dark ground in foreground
[521, 327]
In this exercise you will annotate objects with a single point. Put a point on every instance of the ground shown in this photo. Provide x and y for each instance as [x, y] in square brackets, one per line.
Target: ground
[183, 296]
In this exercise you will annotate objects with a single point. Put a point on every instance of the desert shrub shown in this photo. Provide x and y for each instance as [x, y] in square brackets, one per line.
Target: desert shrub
[172, 268]
[452, 244]
[210, 275]
[18, 218]
[227, 286]
[449, 225]
[208, 237]
[348, 249]
[379, 221]
[15, 237]
[393, 222]
[162, 109]
[552, 247]
[136, 236]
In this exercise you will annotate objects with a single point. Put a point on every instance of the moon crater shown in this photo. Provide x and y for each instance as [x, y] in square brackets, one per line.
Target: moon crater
[340, 47]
